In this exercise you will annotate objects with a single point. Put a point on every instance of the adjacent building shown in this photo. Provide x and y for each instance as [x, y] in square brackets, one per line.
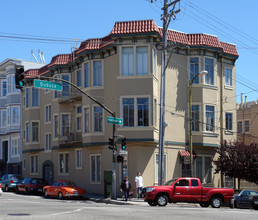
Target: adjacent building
[66, 134]
[10, 116]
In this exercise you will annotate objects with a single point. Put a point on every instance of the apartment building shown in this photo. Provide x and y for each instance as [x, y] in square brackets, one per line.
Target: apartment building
[10, 115]
[66, 135]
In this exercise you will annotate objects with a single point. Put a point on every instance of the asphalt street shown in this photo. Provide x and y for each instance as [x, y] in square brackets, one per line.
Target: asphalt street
[13, 206]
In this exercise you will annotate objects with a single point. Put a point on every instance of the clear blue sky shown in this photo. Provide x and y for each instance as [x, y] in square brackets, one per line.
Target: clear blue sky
[62, 20]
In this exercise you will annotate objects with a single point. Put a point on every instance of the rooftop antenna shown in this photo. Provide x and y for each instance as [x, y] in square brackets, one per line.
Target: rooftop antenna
[40, 56]
[32, 53]
[43, 58]
[75, 44]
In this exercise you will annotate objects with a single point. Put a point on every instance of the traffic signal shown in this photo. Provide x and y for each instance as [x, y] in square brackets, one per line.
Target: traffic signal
[19, 77]
[123, 143]
[112, 144]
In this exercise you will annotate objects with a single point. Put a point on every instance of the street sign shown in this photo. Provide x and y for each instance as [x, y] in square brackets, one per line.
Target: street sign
[118, 121]
[47, 85]
[122, 152]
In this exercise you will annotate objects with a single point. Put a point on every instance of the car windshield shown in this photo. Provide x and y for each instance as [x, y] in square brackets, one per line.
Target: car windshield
[16, 177]
[38, 181]
[170, 182]
[68, 183]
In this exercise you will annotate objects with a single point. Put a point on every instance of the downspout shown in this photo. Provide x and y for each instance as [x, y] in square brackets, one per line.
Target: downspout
[221, 111]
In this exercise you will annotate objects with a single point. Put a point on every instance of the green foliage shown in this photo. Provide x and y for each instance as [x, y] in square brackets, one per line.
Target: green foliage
[238, 161]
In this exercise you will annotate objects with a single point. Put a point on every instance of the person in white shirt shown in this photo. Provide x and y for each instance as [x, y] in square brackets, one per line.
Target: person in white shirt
[139, 184]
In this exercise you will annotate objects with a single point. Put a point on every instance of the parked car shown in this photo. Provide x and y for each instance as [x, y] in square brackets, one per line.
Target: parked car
[9, 181]
[189, 190]
[31, 185]
[1, 190]
[62, 189]
[254, 201]
[241, 199]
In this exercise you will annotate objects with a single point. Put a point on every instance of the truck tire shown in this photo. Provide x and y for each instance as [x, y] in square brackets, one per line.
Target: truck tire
[161, 200]
[216, 202]
[204, 204]
[152, 203]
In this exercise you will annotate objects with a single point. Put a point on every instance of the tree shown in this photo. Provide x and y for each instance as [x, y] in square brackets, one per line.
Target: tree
[238, 161]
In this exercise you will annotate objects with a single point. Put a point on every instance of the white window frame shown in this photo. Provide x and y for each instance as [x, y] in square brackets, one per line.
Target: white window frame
[86, 131]
[95, 181]
[3, 115]
[78, 164]
[32, 130]
[3, 89]
[228, 76]
[101, 120]
[64, 171]
[48, 142]
[34, 164]
[214, 118]
[78, 118]
[226, 122]
[240, 127]
[86, 82]
[78, 81]
[15, 143]
[48, 113]
[69, 124]
[55, 126]
[32, 97]
[102, 73]
[27, 131]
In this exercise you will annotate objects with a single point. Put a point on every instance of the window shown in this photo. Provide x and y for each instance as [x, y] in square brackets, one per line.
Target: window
[164, 168]
[210, 118]
[140, 54]
[209, 78]
[204, 168]
[127, 61]
[63, 163]
[78, 78]
[195, 118]
[27, 131]
[128, 112]
[239, 127]
[65, 125]
[48, 117]
[3, 118]
[27, 98]
[15, 115]
[15, 146]
[98, 119]
[35, 131]
[35, 97]
[143, 111]
[194, 69]
[97, 73]
[4, 89]
[247, 128]
[154, 62]
[24, 164]
[9, 84]
[86, 120]
[55, 126]
[155, 113]
[78, 158]
[34, 164]
[95, 168]
[48, 142]
[86, 75]
[66, 86]
[141, 115]
[229, 121]
[142, 61]
[228, 76]
[78, 118]
[194, 183]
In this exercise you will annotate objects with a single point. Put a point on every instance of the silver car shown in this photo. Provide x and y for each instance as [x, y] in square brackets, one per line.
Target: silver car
[9, 181]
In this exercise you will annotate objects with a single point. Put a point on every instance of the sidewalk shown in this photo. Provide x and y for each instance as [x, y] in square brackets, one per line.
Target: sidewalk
[118, 201]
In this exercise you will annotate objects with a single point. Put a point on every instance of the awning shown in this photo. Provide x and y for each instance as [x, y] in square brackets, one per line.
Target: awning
[186, 153]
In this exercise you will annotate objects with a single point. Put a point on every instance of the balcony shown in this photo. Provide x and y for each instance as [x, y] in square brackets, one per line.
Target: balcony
[75, 137]
[73, 94]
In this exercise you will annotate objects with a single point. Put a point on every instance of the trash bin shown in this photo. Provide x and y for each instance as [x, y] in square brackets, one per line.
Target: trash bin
[107, 183]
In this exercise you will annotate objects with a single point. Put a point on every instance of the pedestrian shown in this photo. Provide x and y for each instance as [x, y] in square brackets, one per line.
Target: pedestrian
[139, 184]
[126, 187]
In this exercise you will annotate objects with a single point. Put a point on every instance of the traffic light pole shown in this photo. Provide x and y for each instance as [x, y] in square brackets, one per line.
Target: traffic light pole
[114, 129]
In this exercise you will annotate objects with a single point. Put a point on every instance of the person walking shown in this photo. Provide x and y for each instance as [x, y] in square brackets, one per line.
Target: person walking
[126, 187]
[139, 184]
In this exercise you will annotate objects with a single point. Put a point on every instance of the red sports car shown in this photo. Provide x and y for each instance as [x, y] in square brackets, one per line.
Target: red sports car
[63, 188]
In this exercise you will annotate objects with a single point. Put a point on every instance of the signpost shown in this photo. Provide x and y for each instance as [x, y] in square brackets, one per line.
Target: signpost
[47, 85]
[117, 121]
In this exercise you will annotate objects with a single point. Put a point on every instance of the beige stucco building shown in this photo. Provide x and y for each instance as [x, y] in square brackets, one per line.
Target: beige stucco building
[66, 135]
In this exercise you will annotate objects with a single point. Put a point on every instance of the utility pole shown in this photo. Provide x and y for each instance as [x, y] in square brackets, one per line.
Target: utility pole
[166, 17]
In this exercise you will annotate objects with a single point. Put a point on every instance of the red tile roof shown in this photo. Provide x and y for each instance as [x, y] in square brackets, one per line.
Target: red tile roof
[61, 59]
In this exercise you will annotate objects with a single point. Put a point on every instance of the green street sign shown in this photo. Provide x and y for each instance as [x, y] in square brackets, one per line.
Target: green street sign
[47, 85]
[117, 121]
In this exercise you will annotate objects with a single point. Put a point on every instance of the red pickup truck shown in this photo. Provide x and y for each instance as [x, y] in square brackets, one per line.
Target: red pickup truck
[187, 190]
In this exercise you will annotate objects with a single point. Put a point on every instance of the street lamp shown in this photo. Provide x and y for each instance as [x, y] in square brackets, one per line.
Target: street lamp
[202, 73]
